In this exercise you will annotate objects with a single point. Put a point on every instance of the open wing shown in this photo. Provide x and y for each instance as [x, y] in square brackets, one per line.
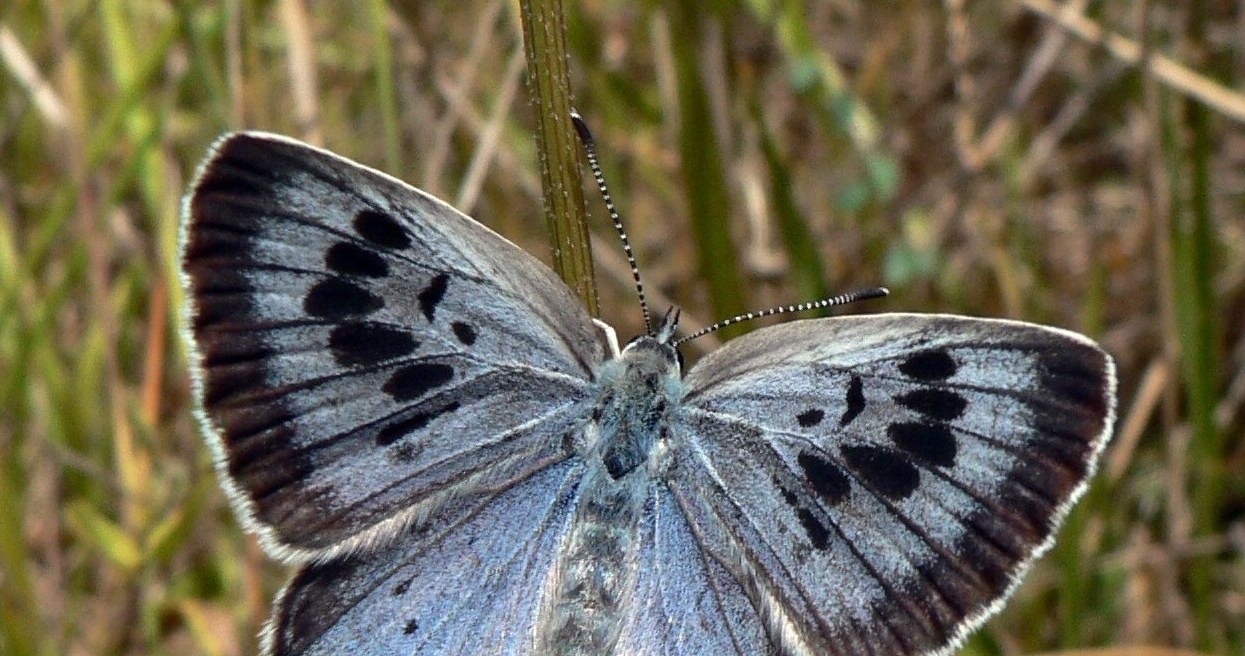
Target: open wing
[683, 601]
[363, 351]
[879, 483]
[471, 582]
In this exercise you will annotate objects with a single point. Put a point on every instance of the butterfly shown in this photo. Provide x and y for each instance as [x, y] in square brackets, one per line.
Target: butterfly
[424, 419]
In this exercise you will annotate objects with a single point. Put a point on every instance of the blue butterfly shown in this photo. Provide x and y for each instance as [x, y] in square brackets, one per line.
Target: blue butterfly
[425, 419]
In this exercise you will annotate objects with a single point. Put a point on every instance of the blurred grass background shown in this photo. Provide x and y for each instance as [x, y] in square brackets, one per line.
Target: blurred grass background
[1078, 164]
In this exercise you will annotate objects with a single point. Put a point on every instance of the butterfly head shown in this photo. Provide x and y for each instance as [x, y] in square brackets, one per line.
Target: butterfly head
[658, 347]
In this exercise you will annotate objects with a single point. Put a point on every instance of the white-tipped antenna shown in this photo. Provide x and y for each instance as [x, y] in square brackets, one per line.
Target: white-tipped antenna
[841, 299]
[590, 148]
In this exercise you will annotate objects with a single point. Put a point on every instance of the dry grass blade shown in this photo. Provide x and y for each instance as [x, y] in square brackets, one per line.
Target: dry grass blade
[1219, 98]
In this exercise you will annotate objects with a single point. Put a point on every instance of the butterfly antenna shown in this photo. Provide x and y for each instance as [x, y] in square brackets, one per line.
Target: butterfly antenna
[590, 148]
[841, 299]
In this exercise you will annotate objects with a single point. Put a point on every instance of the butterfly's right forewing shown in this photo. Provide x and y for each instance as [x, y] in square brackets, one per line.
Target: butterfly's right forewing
[363, 351]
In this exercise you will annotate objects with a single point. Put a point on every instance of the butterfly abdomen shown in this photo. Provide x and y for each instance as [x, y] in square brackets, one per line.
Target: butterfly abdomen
[594, 571]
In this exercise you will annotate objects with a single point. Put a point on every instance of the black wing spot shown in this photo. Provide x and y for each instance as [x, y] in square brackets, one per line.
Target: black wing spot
[361, 343]
[397, 431]
[929, 365]
[810, 417]
[933, 443]
[337, 298]
[402, 587]
[381, 229]
[940, 404]
[411, 627]
[431, 296]
[352, 259]
[825, 477]
[464, 332]
[416, 380]
[889, 472]
[817, 532]
[855, 401]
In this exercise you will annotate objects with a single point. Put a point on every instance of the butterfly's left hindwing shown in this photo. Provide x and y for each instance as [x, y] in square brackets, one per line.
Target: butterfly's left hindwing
[880, 482]
[470, 582]
[362, 350]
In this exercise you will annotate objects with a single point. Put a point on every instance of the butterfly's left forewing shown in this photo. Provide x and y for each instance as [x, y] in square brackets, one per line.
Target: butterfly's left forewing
[878, 483]
[363, 351]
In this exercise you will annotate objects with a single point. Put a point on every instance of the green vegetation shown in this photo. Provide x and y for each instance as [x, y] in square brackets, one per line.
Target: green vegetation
[995, 159]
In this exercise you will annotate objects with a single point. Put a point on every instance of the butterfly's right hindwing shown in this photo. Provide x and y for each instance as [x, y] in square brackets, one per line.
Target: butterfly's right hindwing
[879, 483]
[362, 350]
[682, 600]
